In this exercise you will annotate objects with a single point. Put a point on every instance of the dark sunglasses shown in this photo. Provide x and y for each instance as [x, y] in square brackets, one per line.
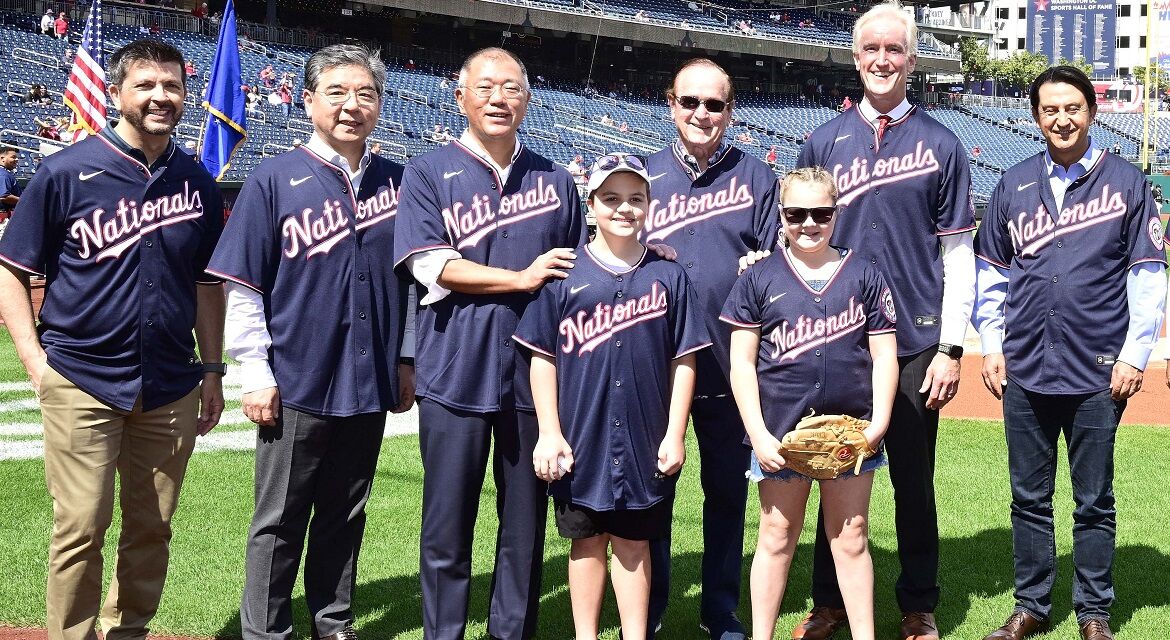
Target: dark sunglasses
[690, 103]
[614, 160]
[797, 215]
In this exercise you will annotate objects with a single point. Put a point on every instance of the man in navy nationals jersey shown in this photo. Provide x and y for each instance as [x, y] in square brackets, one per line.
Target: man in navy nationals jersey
[905, 206]
[316, 222]
[484, 223]
[712, 203]
[121, 225]
[1069, 235]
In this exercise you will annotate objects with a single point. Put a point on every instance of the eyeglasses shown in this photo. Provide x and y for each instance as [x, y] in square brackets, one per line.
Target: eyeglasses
[338, 96]
[690, 103]
[509, 90]
[797, 215]
[615, 160]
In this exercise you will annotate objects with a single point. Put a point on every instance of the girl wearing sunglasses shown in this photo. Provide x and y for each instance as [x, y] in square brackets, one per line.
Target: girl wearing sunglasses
[613, 371]
[813, 331]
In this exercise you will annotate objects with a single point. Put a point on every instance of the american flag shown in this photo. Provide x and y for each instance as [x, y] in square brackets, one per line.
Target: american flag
[85, 93]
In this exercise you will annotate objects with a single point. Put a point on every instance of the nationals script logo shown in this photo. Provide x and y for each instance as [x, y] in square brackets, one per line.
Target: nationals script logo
[468, 224]
[1030, 232]
[789, 341]
[111, 236]
[315, 234]
[861, 176]
[681, 210]
[585, 331]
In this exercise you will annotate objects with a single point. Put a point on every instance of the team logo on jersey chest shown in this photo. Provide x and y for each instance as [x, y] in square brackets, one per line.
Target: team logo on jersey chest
[1030, 232]
[111, 235]
[681, 209]
[791, 340]
[861, 176]
[467, 224]
[584, 331]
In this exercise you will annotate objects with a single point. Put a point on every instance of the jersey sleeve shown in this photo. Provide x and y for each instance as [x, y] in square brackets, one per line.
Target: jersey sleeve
[742, 308]
[686, 324]
[577, 232]
[880, 316]
[249, 249]
[419, 225]
[767, 214]
[537, 329]
[956, 205]
[993, 243]
[807, 156]
[34, 232]
[1144, 234]
[213, 230]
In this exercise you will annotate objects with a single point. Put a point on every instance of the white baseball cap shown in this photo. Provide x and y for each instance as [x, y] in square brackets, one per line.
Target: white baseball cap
[612, 163]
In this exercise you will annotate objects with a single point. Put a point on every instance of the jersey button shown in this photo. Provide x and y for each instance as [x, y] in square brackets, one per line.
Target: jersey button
[345, 189]
[620, 294]
[1052, 312]
[1054, 279]
[817, 385]
[616, 461]
[505, 234]
[617, 383]
[150, 283]
[493, 187]
[818, 353]
[817, 299]
[362, 315]
[619, 278]
[150, 323]
[150, 243]
[619, 343]
[873, 260]
[617, 423]
[691, 231]
[1060, 244]
[362, 351]
[362, 277]
[873, 225]
[690, 265]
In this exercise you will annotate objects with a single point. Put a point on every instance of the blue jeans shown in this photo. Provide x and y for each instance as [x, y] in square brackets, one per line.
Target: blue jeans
[1034, 422]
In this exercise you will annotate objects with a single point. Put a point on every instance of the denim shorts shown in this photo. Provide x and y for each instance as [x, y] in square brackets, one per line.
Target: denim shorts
[756, 474]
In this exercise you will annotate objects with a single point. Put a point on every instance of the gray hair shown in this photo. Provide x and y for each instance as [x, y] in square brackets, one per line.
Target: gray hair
[343, 55]
[494, 53]
[889, 9]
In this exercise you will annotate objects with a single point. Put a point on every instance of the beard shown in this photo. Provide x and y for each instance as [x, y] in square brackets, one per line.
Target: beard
[137, 119]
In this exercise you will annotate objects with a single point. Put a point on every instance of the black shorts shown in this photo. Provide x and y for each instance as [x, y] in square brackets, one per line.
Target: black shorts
[576, 522]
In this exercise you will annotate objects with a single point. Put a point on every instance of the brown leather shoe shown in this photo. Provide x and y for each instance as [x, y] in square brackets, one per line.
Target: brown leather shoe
[919, 626]
[1019, 625]
[820, 623]
[1096, 629]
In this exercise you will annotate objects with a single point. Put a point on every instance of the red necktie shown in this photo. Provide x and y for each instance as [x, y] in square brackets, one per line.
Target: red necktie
[883, 124]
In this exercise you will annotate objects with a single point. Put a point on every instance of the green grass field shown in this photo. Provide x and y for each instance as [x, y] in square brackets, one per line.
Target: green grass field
[203, 590]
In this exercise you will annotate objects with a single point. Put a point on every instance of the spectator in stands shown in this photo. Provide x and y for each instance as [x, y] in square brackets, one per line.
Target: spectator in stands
[67, 59]
[576, 169]
[9, 188]
[252, 99]
[846, 104]
[771, 157]
[47, 22]
[155, 29]
[286, 97]
[641, 16]
[1117, 149]
[684, 24]
[50, 129]
[268, 76]
[189, 148]
[376, 149]
[744, 137]
[61, 26]
[445, 83]
[410, 64]
[624, 127]
[38, 94]
[607, 120]
[200, 11]
[190, 69]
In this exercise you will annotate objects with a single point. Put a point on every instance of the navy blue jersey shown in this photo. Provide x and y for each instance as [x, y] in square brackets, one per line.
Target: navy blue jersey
[316, 249]
[895, 199]
[8, 187]
[1067, 314]
[712, 221]
[452, 199]
[614, 334]
[122, 249]
[814, 345]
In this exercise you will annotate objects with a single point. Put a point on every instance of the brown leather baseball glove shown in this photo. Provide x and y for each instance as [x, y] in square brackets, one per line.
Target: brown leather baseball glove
[823, 447]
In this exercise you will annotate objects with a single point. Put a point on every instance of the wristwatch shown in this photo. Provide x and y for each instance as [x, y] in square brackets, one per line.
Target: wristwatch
[951, 350]
[215, 367]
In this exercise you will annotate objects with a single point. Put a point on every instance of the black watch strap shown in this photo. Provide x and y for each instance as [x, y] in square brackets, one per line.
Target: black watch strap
[215, 367]
[951, 350]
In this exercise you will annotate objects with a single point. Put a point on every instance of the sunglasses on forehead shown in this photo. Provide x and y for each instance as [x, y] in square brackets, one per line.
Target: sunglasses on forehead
[797, 215]
[690, 103]
[615, 160]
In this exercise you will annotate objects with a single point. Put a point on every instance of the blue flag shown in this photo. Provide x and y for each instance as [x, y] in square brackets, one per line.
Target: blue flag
[224, 101]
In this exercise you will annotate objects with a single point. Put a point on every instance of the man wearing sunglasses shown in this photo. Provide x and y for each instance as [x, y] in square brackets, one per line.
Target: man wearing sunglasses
[483, 223]
[712, 203]
[905, 206]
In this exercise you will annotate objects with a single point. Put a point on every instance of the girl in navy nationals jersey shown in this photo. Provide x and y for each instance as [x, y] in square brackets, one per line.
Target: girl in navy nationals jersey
[814, 332]
[613, 371]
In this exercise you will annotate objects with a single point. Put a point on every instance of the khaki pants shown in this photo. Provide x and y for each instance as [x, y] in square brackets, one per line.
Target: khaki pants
[85, 442]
